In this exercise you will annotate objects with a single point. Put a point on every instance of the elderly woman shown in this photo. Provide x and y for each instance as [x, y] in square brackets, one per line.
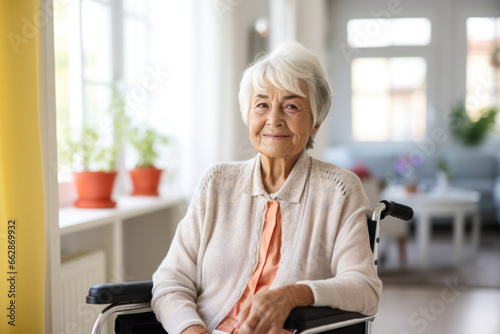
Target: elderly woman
[279, 231]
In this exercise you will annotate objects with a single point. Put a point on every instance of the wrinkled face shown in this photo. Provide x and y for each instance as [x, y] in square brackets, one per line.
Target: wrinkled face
[280, 122]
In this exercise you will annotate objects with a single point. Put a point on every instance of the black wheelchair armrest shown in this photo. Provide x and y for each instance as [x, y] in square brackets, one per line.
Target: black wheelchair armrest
[301, 318]
[128, 292]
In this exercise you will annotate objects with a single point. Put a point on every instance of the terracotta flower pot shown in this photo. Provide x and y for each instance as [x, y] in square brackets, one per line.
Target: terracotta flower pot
[145, 181]
[94, 189]
[411, 187]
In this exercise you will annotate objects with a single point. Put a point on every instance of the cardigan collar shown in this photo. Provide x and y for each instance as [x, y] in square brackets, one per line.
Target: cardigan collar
[293, 187]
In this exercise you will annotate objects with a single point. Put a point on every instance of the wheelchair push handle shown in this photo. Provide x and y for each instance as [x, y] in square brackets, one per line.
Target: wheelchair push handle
[397, 210]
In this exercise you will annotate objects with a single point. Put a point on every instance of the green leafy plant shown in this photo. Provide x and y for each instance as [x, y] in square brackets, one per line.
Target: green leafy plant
[444, 166]
[471, 132]
[86, 153]
[117, 109]
[147, 142]
[87, 150]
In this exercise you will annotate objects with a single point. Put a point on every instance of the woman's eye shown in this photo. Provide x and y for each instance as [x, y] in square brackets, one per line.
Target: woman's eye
[261, 105]
[291, 106]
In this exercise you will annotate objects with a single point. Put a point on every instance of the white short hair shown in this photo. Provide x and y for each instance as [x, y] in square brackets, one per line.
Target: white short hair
[289, 67]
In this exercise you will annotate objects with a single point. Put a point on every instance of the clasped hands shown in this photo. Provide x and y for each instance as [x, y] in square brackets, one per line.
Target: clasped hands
[266, 311]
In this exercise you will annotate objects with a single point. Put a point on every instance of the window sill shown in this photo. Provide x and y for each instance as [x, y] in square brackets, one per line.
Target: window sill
[73, 219]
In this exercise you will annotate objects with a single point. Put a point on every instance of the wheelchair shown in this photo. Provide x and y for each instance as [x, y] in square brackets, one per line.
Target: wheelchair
[131, 301]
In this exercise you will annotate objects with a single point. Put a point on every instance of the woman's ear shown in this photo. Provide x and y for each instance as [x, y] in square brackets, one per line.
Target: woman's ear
[315, 129]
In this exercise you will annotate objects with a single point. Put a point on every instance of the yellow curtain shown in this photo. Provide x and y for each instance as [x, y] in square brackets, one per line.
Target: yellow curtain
[22, 217]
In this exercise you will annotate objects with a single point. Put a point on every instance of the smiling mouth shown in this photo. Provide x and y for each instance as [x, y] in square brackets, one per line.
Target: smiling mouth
[270, 136]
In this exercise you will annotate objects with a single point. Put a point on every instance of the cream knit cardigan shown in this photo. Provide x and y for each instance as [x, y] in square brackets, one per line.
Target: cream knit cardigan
[215, 250]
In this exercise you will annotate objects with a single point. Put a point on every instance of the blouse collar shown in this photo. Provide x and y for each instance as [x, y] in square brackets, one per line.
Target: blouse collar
[294, 185]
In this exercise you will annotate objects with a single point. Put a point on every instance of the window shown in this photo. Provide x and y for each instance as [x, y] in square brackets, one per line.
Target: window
[84, 74]
[366, 33]
[388, 99]
[483, 64]
[388, 93]
[97, 52]
[134, 46]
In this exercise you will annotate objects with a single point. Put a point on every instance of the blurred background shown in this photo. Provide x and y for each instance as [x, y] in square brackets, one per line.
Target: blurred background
[416, 90]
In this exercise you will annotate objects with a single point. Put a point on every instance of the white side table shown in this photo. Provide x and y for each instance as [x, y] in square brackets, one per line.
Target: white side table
[454, 202]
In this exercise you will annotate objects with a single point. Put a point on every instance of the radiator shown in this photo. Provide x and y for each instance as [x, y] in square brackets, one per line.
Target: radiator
[78, 274]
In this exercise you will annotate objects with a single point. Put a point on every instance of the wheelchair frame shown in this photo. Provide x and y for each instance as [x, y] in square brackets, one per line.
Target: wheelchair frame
[135, 297]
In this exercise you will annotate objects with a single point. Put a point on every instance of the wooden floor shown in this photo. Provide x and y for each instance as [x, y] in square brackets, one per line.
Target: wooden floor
[446, 310]
[445, 306]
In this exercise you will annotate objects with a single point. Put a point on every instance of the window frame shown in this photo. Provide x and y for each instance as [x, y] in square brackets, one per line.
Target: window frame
[424, 52]
[441, 70]
[387, 56]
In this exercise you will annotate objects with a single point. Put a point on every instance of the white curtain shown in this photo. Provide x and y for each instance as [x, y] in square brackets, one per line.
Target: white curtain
[211, 107]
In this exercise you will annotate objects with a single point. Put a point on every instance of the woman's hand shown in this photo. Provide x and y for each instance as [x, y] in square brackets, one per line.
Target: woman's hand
[267, 311]
[195, 329]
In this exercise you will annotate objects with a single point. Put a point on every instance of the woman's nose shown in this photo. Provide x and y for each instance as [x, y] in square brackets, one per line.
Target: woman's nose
[275, 116]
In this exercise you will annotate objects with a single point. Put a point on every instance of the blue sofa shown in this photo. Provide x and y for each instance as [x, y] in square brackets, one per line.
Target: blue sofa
[470, 168]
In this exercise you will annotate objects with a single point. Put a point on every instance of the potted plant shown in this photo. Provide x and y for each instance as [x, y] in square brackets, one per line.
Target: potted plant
[92, 156]
[443, 176]
[468, 131]
[93, 166]
[145, 176]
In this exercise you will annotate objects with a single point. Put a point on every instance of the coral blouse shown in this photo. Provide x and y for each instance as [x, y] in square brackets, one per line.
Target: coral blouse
[264, 274]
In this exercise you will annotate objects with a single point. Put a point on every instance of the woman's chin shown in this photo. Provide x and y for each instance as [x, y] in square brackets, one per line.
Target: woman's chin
[278, 152]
